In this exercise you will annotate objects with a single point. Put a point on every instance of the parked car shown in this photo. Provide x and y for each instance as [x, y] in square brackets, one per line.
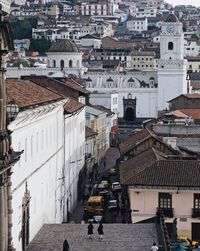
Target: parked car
[94, 204]
[112, 204]
[105, 184]
[116, 187]
[112, 172]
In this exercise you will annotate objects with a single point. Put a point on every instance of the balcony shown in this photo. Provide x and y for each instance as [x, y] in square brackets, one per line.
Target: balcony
[195, 212]
[167, 212]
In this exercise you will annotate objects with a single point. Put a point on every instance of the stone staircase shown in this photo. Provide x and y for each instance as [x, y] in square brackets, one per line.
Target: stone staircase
[117, 237]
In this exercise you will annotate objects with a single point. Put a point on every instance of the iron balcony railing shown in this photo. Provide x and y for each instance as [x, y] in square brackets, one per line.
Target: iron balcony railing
[195, 212]
[167, 212]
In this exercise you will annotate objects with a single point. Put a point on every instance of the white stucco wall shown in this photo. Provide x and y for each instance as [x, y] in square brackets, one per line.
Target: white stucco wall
[74, 157]
[75, 58]
[39, 132]
[146, 105]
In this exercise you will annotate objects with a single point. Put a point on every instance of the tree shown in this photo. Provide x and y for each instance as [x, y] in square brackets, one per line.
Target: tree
[40, 45]
[22, 29]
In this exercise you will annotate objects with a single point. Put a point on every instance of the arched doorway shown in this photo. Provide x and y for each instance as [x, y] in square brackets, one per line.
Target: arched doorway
[129, 104]
[130, 114]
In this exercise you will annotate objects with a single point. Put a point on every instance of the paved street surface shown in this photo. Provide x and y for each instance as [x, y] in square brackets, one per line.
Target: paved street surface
[111, 156]
[117, 237]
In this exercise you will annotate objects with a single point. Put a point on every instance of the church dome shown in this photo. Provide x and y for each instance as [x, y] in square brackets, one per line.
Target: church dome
[172, 19]
[64, 45]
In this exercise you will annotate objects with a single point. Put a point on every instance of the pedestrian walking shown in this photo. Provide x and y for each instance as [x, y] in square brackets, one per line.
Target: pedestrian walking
[154, 247]
[90, 230]
[65, 245]
[100, 231]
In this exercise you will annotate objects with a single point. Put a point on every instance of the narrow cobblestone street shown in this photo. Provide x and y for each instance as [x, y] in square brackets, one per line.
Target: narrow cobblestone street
[112, 155]
[117, 237]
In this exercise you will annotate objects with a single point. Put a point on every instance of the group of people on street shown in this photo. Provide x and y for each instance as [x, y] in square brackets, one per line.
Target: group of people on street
[90, 233]
[99, 230]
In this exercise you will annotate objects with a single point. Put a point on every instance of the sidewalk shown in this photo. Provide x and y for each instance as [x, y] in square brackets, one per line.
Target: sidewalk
[111, 156]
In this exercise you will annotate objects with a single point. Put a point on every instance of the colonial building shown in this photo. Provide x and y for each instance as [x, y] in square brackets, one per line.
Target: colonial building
[7, 156]
[149, 90]
[63, 58]
[50, 128]
[154, 172]
[38, 130]
[171, 65]
[156, 184]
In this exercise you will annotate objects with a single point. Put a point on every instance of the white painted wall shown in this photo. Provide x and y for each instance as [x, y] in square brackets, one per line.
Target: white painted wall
[14, 72]
[75, 58]
[171, 65]
[146, 105]
[74, 157]
[39, 132]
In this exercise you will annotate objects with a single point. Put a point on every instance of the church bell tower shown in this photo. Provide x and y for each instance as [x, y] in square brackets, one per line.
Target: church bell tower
[172, 67]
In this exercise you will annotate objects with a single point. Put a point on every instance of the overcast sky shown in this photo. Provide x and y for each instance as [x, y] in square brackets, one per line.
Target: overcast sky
[186, 2]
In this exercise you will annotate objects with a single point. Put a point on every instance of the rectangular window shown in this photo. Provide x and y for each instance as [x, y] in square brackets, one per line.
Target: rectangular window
[197, 201]
[165, 200]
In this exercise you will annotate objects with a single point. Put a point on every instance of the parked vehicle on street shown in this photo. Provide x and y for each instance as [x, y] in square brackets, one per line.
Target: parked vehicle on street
[112, 172]
[116, 187]
[94, 204]
[105, 184]
[112, 205]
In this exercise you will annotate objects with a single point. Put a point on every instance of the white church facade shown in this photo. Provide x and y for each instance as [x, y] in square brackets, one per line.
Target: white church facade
[143, 94]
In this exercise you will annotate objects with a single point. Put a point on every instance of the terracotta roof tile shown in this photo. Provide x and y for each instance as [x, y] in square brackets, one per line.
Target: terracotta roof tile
[89, 132]
[189, 96]
[26, 93]
[137, 164]
[194, 113]
[130, 142]
[58, 86]
[75, 85]
[72, 106]
[181, 173]
[192, 95]
[104, 109]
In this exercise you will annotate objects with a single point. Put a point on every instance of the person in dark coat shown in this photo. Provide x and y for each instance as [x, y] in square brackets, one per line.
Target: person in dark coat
[100, 231]
[90, 230]
[65, 245]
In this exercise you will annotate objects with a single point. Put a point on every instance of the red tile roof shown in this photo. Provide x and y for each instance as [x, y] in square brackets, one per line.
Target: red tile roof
[75, 85]
[72, 106]
[130, 142]
[89, 132]
[178, 173]
[192, 95]
[26, 93]
[194, 113]
[189, 96]
[133, 166]
[104, 109]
